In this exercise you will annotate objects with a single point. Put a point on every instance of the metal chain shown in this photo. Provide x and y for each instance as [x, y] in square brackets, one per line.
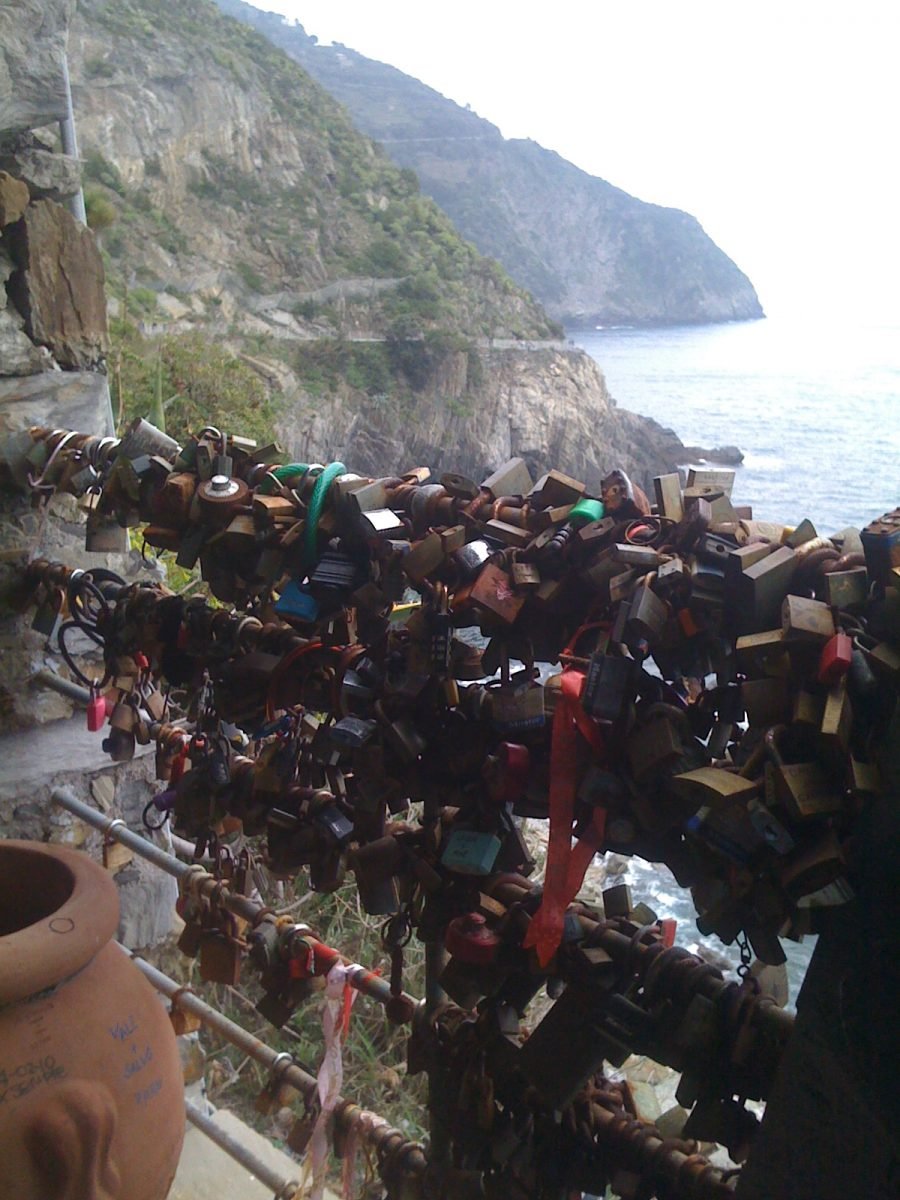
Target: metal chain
[746, 956]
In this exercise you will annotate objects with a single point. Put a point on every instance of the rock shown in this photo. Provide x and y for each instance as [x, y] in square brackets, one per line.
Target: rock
[48, 176]
[18, 353]
[103, 789]
[58, 285]
[33, 37]
[729, 456]
[548, 406]
[14, 198]
[69, 399]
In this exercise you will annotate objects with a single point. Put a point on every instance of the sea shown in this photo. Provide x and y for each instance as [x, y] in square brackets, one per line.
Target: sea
[815, 408]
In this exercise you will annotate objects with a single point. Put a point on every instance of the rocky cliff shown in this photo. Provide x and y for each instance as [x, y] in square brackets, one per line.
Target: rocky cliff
[245, 209]
[586, 249]
[548, 406]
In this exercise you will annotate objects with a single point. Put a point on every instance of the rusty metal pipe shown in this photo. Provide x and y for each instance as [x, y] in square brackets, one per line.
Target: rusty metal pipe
[199, 880]
[620, 946]
[284, 1189]
[370, 1127]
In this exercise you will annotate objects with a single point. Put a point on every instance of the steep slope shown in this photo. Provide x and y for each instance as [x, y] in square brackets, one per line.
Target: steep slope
[586, 249]
[239, 182]
[246, 222]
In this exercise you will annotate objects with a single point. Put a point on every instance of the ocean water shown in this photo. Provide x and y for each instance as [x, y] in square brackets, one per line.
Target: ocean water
[815, 409]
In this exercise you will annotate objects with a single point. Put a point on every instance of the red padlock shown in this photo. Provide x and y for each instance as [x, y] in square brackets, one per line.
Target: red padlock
[96, 710]
[667, 928]
[511, 772]
[469, 940]
[834, 663]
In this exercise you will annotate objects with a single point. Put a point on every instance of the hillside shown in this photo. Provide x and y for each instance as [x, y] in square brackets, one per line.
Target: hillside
[237, 178]
[280, 267]
[587, 250]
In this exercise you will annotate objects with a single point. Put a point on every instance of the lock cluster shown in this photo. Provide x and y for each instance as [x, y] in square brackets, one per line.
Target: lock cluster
[395, 672]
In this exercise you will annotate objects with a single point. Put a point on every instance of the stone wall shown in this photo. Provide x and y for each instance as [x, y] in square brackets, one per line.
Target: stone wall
[52, 342]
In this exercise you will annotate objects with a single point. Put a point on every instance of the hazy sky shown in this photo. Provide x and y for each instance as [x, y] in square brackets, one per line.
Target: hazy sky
[775, 124]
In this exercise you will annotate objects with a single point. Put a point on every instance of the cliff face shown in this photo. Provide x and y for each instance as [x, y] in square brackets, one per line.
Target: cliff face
[549, 406]
[240, 187]
[247, 211]
[586, 249]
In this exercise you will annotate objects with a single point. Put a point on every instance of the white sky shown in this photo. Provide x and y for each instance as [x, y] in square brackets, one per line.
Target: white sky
[774, 123]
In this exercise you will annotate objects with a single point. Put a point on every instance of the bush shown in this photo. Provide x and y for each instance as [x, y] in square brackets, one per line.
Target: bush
[101, 213]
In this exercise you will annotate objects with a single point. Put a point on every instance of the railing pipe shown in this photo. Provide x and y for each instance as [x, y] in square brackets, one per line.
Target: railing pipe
[360, 978]
[371, 1128]
[283, 1189]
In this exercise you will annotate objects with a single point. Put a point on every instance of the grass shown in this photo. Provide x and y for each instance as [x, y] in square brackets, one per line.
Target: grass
[374, 1055]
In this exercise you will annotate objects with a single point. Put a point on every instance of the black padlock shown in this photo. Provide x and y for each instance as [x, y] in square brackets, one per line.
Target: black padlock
[610, 687]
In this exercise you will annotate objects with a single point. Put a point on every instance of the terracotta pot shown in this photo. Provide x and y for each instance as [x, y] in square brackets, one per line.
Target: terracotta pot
[91, 1092]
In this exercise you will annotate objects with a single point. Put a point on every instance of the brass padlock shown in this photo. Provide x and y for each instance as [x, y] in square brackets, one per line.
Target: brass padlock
[806, 619]
[103, 534]
[124, 715]
[805, 789]
[517, 708]
[512, 479]
[493, 590]
[220, 956]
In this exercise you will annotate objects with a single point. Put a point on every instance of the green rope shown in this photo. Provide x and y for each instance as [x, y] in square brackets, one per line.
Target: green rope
[317, 500]
[282, 474]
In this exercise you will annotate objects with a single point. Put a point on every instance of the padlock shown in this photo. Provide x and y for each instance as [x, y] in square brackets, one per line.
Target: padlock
[191, 544]
[518, 708]
[220, 954]
[470, 852]
[96, 710]
[762, 587]
[277, 1092]
[49, 614]
[610, 687]
[469, 939]
[512, 479]
[143, 438]
[847, 589]
[568, 1047]
[881, 546]
[191, 912]
[668, 496]
[713, 786]
[652, 746]
[835, 660]
[805, 619]
[494, 591]
[705, 480]
[300, 1133]
[647, 617]
[805, 789]
[154, 701]
[837, 718]
[124, 715]
[767, 702]
[374, 866]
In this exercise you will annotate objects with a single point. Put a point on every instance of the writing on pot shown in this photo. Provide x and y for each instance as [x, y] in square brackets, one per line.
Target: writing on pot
[138, 1064]
[123, 1029]
[19, 1081]
[149, 1092]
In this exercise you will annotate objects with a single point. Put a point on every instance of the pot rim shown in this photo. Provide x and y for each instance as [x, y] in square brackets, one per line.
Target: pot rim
[60, 943]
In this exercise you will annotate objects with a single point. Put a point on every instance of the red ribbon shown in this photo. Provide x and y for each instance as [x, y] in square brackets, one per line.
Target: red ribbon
[565, 868]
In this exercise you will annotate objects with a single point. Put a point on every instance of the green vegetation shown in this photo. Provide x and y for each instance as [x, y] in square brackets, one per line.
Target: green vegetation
[316, 204]
[101, 212]
[374, 1052]
[199, 383]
